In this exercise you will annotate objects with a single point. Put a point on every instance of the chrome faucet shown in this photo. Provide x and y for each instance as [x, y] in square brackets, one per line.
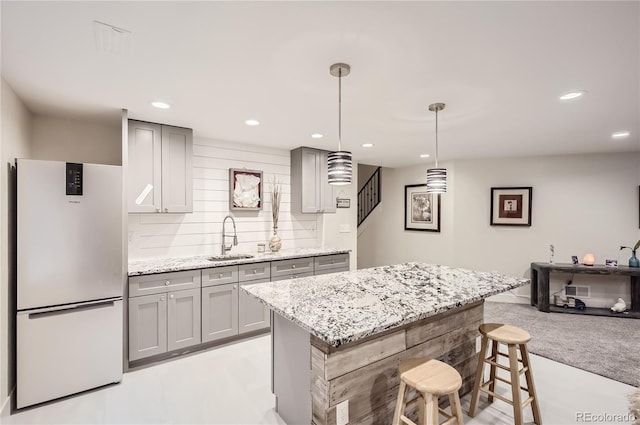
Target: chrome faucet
[235, 235]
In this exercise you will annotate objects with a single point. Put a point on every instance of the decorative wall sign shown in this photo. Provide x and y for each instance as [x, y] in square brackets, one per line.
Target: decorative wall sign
[511, 206]
[421, 209]
[343, 203]
[245, 189]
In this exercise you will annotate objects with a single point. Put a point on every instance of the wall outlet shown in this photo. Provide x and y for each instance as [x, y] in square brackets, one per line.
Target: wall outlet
[342, 413]
[345, 228]
[478, 344]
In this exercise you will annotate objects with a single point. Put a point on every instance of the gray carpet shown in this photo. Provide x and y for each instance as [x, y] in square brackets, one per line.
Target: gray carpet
[607, 346]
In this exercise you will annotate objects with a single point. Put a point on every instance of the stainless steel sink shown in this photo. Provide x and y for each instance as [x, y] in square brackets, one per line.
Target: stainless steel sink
[229, 257]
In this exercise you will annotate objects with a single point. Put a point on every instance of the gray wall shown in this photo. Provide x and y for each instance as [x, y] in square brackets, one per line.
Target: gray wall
[15, 143]
[75, 140]
[581, 203]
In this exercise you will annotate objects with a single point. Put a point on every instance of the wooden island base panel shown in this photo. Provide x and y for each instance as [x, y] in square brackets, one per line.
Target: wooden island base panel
[338, 339]
[366, 373]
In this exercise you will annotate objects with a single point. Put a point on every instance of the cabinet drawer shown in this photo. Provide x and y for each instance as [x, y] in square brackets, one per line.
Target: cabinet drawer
[219, 275]
[328, 271]
[289, 267]
[164, 282]
[291, 276]
[254, 271]
[334, 261]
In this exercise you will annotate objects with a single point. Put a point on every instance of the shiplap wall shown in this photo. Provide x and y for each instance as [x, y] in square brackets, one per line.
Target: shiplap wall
[200, 232]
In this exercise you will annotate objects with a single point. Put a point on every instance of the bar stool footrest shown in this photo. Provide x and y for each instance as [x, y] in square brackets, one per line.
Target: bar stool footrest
[498, 396]
[406, 420]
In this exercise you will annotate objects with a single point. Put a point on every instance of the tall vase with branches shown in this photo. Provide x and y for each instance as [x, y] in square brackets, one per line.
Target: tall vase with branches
[275, 243]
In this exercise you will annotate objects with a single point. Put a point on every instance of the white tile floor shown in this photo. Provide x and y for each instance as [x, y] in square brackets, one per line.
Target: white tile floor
[231, 385]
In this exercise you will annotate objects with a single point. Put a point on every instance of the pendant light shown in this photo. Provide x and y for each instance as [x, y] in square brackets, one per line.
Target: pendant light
[339, 162]
[436, 177]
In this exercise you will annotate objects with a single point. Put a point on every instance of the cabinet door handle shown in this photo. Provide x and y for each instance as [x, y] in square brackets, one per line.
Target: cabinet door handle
[167, 283]
[166, 210]
[220, 276]
[333, 261]
[157, 209]
[234, 286]
[255, 271]
[161, 298]
[293, 266]
[295, 276]
[171, 296]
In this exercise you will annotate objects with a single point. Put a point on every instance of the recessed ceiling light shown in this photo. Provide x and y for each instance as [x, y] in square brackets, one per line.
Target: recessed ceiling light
[161, 105]
[425, 155]
[620, 134]
[573, 95]
[252, 122]
[367, 145]
[317, 136]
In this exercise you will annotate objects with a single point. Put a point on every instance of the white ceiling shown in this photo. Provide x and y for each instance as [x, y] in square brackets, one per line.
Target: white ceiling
[499, 67]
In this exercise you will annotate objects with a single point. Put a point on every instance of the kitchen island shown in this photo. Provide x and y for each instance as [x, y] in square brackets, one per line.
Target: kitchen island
[337, 339]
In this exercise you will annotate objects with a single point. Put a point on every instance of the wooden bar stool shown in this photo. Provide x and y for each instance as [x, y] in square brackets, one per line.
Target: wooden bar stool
[514, 338]
[430, 378]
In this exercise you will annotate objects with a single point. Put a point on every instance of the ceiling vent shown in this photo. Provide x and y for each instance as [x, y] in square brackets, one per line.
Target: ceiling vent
[111, 39]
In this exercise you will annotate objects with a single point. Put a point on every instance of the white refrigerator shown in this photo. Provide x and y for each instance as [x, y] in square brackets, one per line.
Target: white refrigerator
[69, 320]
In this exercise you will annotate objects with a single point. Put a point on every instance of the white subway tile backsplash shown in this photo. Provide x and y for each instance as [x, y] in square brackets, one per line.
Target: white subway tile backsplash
[199, 233]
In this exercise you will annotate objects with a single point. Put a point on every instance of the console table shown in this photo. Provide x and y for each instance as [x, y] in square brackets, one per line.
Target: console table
[540, 287]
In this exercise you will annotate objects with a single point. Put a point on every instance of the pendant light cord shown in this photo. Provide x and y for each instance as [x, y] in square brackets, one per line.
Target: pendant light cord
[436, 137]
[340, 109]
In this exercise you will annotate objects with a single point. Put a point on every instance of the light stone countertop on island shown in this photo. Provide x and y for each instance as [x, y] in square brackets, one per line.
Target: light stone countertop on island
[343, 307]
[146, 266]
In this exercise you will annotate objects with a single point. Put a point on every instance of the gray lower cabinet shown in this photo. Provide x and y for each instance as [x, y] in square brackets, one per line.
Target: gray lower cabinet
[173, 311]
[252, 314]
[164, 313]
[183, 319]
[296, 266]
[331, 263]
[147, 326]
[219, 311]
[291, 276]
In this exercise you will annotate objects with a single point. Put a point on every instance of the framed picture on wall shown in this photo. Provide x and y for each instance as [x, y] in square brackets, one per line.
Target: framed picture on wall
[421, 209]
[511, 206]
[245, 189]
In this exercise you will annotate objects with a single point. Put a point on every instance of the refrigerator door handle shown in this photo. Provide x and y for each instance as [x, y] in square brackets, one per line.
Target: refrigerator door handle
[71, 308]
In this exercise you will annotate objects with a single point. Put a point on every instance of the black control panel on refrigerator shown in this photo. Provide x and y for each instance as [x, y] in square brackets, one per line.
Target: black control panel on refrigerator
[74, 179]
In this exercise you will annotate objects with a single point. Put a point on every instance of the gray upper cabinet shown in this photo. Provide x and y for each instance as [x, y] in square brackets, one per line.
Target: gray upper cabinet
[145, 163]
[310, 188]
[177, 181]
[159, 176]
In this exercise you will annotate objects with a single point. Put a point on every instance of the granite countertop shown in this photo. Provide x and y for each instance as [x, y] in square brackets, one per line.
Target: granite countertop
[172, 264]
[344, 307]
